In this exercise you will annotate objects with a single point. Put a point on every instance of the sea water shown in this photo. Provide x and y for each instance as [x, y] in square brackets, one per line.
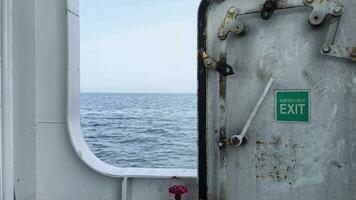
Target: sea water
[141, 130]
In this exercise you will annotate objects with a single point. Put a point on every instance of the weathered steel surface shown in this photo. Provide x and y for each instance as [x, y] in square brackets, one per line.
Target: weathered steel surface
[283, 160]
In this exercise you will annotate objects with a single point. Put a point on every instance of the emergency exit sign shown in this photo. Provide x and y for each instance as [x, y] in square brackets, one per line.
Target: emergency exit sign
[292, 106]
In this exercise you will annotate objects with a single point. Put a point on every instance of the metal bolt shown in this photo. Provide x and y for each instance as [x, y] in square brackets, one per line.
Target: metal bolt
[309, 1]
[353, 54]
[338, 10]
[233, 11]
[235, 140]
[326, 49]
[221, 144]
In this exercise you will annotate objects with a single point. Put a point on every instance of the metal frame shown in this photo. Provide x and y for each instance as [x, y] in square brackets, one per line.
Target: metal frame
[73, 113]
[202, 84]
[7, 139]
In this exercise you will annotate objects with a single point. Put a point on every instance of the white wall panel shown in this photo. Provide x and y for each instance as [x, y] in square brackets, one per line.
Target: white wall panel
[50, 60]
[24, 99]
[61, 175]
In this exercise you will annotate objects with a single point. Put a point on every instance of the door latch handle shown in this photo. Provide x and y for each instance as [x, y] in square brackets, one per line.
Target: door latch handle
[218, 65]
[237, 140]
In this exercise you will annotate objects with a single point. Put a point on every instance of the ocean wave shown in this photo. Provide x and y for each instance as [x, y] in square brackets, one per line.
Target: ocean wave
[141, 130]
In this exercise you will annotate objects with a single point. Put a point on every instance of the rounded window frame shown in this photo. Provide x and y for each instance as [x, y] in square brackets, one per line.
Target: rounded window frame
[73, 112]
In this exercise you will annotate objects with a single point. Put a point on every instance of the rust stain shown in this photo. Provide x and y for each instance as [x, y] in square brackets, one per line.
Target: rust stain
[222, 137]
[353, 54]
[275, 162]
[222, 99]
[222, 89]
[259, 142]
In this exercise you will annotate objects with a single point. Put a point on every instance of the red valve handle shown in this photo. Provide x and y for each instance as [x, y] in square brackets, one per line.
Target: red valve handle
[178, 190]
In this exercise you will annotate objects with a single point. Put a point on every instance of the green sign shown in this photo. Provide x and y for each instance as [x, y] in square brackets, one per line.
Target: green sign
[292, 106]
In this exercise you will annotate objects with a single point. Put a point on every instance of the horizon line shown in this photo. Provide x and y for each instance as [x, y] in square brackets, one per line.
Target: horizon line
[138, 92]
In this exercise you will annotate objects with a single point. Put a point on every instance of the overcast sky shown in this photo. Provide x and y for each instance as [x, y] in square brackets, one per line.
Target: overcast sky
[138, 46]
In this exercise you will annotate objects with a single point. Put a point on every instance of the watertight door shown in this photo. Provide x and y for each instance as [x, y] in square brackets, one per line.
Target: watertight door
[277, 99]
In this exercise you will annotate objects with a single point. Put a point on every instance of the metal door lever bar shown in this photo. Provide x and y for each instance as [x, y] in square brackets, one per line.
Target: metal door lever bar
[331, 49]
[237, 140]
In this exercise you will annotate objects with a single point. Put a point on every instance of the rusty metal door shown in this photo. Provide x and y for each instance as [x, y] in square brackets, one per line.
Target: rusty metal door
[277, 99]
